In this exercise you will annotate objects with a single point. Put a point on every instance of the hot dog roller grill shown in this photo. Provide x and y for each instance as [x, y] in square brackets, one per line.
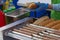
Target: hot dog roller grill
[24, 30]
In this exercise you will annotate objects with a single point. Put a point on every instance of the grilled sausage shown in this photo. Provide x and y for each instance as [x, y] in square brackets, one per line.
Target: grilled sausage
[41, 20]
[52, 24]
[46, 22]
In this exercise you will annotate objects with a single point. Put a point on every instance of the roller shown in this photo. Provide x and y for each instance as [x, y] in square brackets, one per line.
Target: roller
[51, 35]
[56, 32]
[32, 29]
[40, 37]
[29, 31]
[23, 32]
[36, 29]
[48, 36]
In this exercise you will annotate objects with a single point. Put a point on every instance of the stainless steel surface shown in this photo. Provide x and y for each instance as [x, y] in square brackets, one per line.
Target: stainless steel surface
[17, 12]
[14, 23]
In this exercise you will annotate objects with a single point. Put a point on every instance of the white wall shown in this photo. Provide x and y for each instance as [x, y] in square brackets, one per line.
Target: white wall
[26, 1]
[45, 1]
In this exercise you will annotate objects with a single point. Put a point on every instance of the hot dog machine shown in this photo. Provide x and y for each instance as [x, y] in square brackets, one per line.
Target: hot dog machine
[24, 29]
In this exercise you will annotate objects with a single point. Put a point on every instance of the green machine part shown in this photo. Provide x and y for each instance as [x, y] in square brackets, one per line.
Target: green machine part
[55, 14]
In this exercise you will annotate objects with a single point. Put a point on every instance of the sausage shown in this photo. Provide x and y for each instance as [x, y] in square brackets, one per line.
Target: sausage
[48, 36]
[40, 37]
[23, 32]
[36, 29]
[41, 20]
[48, 39]
[57, 32]
[32, 29]
[52, 24]
[57, 27]
[29, 31]
[46, 22]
